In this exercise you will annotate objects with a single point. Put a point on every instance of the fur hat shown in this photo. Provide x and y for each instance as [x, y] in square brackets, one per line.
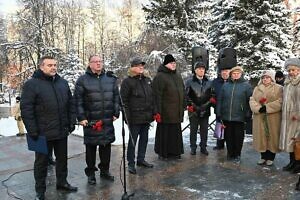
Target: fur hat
[237, 68]
[136, 61]
[168, 59]
[199, 64]
[292, 61]
[269, 73]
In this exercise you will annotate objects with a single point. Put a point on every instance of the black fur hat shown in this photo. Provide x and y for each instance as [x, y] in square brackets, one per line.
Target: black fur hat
[169, 58]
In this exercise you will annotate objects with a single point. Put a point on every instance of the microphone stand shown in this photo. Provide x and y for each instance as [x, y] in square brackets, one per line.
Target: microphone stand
[125, 196]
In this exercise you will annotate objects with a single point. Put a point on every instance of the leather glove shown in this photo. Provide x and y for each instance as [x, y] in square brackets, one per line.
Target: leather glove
[71, 128]
[263, 109]
[157, 118]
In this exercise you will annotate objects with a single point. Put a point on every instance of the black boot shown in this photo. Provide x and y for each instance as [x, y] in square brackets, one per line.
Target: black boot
[292, 163]
[106, 175]
[296, 168]
[298, 185]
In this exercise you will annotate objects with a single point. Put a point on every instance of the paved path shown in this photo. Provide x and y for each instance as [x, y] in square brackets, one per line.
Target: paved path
[192, 177]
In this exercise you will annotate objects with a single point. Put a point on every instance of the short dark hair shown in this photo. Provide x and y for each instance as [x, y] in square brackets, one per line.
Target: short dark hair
[94, 56]
[41, 60]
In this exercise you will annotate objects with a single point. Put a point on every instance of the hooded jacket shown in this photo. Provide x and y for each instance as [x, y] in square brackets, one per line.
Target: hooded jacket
[137, 98]
[47, 107]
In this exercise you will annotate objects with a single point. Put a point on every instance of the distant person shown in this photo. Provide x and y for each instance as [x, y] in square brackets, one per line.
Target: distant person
[279, 77]
[169, 96]
[290, 122]
[200, 98]
[233, 108]
[47, 109]
[18, 118]
[265, 103]
[137, 98]
[217, 85]
[97, 100]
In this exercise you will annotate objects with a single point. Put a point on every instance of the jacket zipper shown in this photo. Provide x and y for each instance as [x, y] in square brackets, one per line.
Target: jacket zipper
[230, 112]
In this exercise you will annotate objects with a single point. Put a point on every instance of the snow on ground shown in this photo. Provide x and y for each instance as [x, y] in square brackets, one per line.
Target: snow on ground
[8, 127]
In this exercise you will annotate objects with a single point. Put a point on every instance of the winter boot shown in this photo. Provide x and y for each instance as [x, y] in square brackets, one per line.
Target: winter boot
[298, 185]
[292, 163]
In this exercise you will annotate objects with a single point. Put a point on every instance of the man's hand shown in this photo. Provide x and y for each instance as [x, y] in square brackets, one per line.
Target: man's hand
[84, 122]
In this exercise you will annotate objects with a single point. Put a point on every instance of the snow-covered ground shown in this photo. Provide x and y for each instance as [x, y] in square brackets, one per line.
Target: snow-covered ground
[8, 127]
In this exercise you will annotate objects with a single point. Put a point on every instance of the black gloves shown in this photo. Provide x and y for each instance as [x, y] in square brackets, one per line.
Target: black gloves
[34, 136]
[71, 128]
[263, 109]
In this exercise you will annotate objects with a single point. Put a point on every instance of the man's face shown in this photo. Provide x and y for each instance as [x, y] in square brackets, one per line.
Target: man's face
[225, 73]
[49, 67]
[171, 65]
[138, 69]
[200, 71]
[293, 71]
[235, 75]
[96, 64]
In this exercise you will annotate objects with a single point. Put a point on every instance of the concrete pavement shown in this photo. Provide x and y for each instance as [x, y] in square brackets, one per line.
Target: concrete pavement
[191, 177]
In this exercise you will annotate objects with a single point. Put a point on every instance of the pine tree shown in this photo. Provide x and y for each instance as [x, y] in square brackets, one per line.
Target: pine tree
[296, 44]
[71, 68]
[179, 21]
[258, 30]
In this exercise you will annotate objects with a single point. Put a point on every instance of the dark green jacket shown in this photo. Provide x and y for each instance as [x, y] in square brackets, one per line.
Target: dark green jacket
[233, 102]
[169, 99]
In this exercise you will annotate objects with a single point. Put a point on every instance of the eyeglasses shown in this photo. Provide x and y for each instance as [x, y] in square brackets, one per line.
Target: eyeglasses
[96, 61]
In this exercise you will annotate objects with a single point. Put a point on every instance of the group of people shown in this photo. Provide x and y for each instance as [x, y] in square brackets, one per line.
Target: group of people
[48, 108]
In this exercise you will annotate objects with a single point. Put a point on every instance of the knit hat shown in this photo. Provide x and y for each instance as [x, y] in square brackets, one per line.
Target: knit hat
[269, 73]
[279, 74]
[237, 68]
[168, 59]
[18, 98]
[292, 61]
[199, 64]
[136, 61]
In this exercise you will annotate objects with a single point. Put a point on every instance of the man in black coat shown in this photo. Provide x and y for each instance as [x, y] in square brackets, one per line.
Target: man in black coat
[137, 98]
[97, 102]
[47, 109]
[200, 99]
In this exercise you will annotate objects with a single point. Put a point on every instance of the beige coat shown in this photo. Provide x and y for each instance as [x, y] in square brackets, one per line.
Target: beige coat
[16, 112]
[273, 94]
[291, 108]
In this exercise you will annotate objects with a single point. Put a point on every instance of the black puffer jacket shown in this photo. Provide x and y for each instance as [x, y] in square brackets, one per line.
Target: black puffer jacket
[137, 96]
[198, 94]
[97, 98]
[47, 107]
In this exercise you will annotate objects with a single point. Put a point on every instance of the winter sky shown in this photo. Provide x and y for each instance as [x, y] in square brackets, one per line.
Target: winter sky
[10, 6]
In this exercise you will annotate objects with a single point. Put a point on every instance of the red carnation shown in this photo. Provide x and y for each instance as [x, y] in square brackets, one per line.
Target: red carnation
[98, 126]
[213, 100]
[191, 108]
[263, 100]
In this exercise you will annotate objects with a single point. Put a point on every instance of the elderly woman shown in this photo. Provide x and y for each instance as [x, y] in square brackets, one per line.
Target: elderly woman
[265, 104]
[233, 109]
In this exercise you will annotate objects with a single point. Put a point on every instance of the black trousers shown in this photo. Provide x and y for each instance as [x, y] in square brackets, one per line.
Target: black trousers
[194, 125]
[90, 158]
[234, 137]
[268, 155]
[41, 165]
[136, 130]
